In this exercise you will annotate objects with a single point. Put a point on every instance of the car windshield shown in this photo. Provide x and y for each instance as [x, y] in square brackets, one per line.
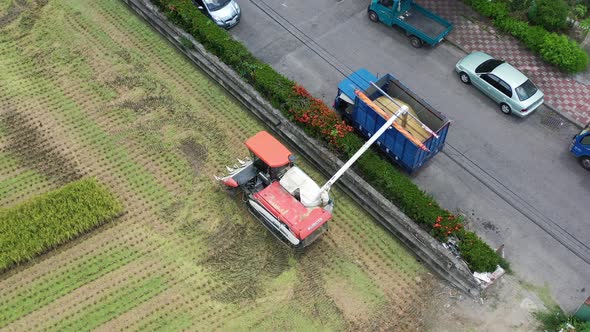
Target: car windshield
[526, 90]
[214, 5]
[488, 65]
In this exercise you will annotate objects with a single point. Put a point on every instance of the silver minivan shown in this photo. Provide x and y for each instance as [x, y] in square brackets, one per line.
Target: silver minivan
[225, 13]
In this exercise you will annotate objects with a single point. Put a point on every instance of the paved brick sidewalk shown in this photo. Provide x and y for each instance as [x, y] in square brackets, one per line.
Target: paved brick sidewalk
[562, 92]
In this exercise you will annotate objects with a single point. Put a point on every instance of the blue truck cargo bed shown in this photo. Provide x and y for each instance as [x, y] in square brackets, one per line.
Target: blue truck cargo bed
[393, 143]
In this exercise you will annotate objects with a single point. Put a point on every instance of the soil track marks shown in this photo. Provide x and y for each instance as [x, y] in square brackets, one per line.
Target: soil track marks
[35, 151]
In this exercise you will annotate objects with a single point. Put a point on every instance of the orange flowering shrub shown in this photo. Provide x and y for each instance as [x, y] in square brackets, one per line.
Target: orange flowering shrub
[317, 118]
[446, 226]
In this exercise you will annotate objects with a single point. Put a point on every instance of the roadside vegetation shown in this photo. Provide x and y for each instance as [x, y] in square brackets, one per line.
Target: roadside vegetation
[554, 319]
[319, 121]
[542, 26]
[48, 220]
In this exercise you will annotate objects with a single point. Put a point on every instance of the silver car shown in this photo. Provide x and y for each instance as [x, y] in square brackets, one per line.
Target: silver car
[225, 13]
[504, 84]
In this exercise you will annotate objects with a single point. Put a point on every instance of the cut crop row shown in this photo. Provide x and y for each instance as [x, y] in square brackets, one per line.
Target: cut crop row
[43, 291]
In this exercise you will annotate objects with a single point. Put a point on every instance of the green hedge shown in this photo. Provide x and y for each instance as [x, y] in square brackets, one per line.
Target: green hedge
[319, 121]
[555, 49]
[46, 221]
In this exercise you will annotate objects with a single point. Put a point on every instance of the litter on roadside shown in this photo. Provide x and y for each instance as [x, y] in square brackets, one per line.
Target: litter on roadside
[485, 279]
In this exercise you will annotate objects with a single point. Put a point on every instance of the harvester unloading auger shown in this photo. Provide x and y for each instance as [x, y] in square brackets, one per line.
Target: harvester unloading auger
[285, 199]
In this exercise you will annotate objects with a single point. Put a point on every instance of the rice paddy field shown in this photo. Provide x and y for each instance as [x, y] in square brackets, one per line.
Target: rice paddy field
[87, 89]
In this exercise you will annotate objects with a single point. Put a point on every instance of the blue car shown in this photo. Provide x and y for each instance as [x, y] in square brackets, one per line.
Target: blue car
[580, 147]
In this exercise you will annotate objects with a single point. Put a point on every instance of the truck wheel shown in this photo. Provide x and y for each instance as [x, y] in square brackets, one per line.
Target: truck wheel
[464, 77]
[505, 108]
[373, 16]
[585, 162]
[415, 41]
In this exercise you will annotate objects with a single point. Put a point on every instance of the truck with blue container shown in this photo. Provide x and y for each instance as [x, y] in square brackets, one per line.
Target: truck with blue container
[421, 25]
[580, 147]
[366, 102]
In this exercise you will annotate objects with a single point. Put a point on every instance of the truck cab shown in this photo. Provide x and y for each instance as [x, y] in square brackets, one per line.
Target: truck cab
[389, 9]
[580, 147]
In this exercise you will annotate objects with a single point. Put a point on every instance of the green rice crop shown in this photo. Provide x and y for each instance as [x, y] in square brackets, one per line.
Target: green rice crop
[46, 221]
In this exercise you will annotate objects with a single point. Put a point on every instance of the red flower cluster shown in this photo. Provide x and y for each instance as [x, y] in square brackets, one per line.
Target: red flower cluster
[317, 117]
[301, 91]
[446, 226]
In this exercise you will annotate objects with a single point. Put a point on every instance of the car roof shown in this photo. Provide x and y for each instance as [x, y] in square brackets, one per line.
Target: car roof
[510, 75]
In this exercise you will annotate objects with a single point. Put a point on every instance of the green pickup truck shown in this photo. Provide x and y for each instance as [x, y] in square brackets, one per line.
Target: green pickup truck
[421, 25]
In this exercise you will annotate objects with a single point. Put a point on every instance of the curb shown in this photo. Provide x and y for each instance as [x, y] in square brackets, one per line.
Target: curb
[428, 250]
[567, 117]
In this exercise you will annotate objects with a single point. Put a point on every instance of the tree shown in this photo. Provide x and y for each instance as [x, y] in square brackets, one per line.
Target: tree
[550, 14]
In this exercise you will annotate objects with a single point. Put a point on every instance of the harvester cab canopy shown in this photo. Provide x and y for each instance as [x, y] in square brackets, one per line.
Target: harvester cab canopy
[269, 150]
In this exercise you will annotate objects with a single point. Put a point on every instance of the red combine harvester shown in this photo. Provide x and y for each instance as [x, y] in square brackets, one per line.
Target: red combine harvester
[285, 199]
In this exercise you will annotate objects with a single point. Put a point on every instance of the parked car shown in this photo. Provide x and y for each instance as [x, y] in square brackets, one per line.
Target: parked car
[504, 84]
[225, 13]
[580, 147]
[420, 24]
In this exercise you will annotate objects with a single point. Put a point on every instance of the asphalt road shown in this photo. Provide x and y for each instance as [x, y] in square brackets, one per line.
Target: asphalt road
[514, 179]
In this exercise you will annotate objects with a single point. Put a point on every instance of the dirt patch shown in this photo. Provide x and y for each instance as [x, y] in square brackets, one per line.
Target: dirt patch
[147, 104]
[27, 142]
[508, 307]
[133, 76]
[141, 94]
[195, 153]
[12, 13]
[26, 11]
